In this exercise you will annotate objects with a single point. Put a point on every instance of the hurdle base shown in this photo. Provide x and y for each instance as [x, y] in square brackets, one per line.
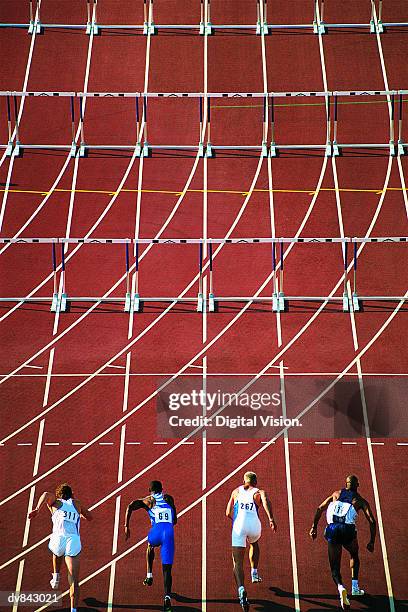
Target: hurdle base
[18, 149]
[273, 150]
[83, 151]
[206, 29]
[209, 151]
[329, 150]
[72, 151]
[211, 303]
[373, 29]
[262, 28]
[92, 28]
[335, 149]
[34, 27]
[401, 149]
[380, 26]
[319, 28]
[392, 148]
[146, 149]
[200, 303]
[132, 303]
[200, 149]
[355, 302]
[9, 149]
[352, 303]
[149, 28]
[278, 302]
[264, 150]
[55, 302]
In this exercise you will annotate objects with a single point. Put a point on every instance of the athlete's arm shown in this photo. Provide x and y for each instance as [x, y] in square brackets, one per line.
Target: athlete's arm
[170, 500]
[45, 498]
[83, 511]
[323, 506]
[137, 504]
[267, 506]
[230, 506]
[368, 513]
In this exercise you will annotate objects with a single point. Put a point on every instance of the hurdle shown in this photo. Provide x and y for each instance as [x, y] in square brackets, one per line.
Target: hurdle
[205, 26]
[331, 99]
[60, 299]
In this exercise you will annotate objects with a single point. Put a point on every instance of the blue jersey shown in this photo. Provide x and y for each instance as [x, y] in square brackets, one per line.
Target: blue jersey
[161, 512]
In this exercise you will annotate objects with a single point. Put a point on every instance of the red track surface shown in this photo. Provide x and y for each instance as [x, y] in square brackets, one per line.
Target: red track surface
[81, 406]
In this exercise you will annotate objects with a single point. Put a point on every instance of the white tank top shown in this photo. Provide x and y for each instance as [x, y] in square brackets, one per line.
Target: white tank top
[66, 519]
[341, 512]
[245, 503]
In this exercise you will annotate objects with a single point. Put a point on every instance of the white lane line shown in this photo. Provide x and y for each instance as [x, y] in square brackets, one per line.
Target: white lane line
[377, 443]
[214, 443]
[105, 443]
[24, 444]
[160, 443]
[133, 443]
[349, 443]
[78, 443]
[48, 379]
[52, 443]
[116, 366]
[402, 443]
[241, 442]
[161, 374]
[321, 442]
[295, 442]
[34, 366]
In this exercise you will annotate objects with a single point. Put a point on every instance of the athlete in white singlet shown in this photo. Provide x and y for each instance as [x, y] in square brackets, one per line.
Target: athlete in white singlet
[65, 541]
[342, 508]
[242, 508]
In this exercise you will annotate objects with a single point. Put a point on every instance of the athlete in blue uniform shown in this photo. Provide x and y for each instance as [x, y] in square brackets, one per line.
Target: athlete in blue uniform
[163, 517]
[342, 508]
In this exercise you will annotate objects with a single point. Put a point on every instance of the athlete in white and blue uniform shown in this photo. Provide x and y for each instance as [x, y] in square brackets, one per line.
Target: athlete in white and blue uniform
[163, 516]
[65, 540]
[242, 508]
[342, 508]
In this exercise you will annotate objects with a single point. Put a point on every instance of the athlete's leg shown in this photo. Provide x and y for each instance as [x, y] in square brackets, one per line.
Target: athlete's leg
[254, 553]
[56, 564]
[354, 558]
[238, 554]
[167, 578]
[335, 562]
[149, 559]
[72, 564]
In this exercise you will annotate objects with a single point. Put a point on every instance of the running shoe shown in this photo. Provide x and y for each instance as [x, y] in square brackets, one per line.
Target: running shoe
[148, 581]
[243, 600]
[167, 604]
[256, 578]
[344, 600]
[356, 592]
[54, 582]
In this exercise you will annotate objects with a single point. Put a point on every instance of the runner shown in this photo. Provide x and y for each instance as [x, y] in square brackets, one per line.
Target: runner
[243, 509]
[65, 541]
[163, 517]
[342, 508]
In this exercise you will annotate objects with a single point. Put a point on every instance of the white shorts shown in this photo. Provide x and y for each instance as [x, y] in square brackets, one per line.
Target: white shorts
[65, 546]
[245, 532]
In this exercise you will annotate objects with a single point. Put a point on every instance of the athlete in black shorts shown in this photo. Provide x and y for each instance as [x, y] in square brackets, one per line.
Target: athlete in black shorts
[342, 508]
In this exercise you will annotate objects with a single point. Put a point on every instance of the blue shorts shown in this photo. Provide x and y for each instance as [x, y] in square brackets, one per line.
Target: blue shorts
[340, 533]
[162, 534]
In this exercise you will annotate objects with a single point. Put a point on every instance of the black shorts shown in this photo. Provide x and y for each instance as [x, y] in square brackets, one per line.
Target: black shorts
[340, 533]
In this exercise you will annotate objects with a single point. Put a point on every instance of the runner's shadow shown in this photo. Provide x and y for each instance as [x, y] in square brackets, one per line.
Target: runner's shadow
[380, 603]
[260, 605]
[96, 605]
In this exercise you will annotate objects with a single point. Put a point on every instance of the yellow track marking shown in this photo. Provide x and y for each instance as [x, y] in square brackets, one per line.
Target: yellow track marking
[222, 191]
